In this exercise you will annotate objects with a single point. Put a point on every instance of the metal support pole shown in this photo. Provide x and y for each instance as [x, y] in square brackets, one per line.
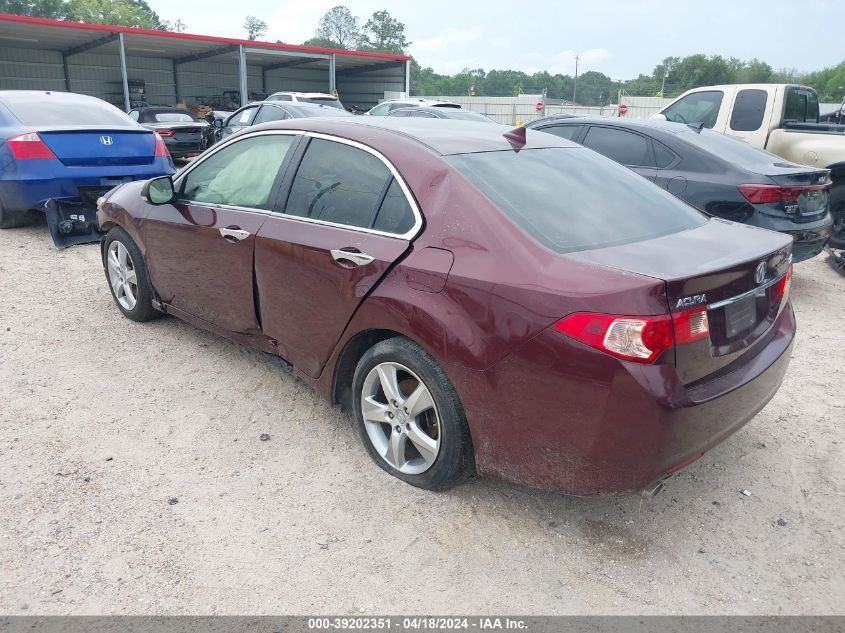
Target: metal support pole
[332, 74]
[67, 72]
[123, 74]
[407, 78]
[175, 81]
[243, 75]
[264, 80]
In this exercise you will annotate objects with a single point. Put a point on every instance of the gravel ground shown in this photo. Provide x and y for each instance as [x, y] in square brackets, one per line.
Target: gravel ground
[134, 480]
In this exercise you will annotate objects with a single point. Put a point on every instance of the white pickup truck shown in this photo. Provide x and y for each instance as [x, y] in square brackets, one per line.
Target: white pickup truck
[780, 118]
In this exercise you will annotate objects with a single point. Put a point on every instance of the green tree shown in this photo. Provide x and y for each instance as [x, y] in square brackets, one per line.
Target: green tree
[339, 27]
[385, 34]
[53, 9]
[134, 13]
[254, 27]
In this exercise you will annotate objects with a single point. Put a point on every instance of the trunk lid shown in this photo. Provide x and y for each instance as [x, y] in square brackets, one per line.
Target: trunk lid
[733, 269]
[98, 147]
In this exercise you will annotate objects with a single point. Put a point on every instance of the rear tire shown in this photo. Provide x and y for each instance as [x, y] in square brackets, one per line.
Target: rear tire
[415, 428]
[126, 274]
[837, 207]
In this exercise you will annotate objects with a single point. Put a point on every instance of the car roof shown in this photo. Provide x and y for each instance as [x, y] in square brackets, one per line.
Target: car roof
[162, 109]
[386, 133]
[422, 102]
[310, 95]
[644, 125]
[26, 96]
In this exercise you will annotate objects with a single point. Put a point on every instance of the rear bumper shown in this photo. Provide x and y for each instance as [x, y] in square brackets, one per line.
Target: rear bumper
[556, 415]
[808, 239]
[181, 149]
[28, 185]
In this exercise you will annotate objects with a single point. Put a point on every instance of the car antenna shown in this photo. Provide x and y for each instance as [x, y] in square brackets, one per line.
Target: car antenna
[696, 127]
[516, 137]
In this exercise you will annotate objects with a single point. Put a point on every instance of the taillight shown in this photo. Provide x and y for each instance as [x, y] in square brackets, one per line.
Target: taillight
[161, 148]
[28, 146]
[783, 285]
[763, 194]
[638, 339]
[165, 133]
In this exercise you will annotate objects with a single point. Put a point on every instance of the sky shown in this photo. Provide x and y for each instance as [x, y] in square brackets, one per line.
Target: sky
[618, 38]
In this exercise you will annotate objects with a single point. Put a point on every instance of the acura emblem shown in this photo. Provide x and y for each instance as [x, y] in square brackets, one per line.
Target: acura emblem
[106, 140]
[760, 273]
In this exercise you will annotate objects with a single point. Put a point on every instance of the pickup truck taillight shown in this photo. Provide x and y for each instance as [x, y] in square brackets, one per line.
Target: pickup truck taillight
[763, 194]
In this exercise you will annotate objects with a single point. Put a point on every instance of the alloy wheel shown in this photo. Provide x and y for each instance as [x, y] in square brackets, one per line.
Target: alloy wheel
[400, 418]
[122, 275]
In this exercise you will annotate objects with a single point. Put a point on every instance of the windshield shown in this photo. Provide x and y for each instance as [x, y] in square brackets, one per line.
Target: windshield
[311, 111]
[573, 199]
[173, 117]
[326, 101]
[43, 111]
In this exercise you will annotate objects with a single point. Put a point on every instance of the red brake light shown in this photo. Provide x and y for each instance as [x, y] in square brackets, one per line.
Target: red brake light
[763, 194]
[783, 285]
[165, 133]
[29, 146]
[161, 148]
[638, 339]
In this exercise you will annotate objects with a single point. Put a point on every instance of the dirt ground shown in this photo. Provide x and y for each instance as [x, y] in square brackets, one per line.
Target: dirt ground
[133, 480]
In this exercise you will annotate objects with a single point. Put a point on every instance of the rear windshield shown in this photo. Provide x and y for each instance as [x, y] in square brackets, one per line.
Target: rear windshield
[172, 117]
[335, 103]
[309, 111]
[44, 111]
[730, 149]
[573, 199]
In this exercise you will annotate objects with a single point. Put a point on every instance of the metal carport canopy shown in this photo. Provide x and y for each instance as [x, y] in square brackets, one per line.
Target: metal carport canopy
[73, 38]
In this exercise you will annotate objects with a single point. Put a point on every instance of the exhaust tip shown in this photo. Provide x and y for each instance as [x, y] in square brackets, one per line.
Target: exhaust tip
[654, 489]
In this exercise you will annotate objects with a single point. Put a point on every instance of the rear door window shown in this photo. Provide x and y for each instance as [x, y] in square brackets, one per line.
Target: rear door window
[569, 132]
[570, 199]
[622, 146]
[749, 108]
[338, 183]
[698, 107]
[663, 156]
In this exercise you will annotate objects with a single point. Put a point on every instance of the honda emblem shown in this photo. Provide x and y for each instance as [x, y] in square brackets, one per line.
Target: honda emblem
[106, 140]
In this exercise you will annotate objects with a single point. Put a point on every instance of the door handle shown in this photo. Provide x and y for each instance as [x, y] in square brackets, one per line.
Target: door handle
[359, 259]
[235, 235]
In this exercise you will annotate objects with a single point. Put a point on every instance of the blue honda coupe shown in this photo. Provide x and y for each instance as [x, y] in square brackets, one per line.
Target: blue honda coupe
[61, 151]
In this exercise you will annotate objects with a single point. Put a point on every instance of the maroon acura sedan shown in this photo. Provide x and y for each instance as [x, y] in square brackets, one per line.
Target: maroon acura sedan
[480, 300]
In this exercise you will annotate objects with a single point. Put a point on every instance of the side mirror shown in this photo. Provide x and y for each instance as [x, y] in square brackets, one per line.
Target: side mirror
[659, 116]
[218, 123]
[159, 190]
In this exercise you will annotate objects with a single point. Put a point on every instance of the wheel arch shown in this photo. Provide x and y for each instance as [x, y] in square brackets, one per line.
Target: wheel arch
[348, 359]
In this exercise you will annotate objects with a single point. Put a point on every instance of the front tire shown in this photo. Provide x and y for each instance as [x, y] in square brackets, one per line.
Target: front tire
[126, 273]
[409, 416]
